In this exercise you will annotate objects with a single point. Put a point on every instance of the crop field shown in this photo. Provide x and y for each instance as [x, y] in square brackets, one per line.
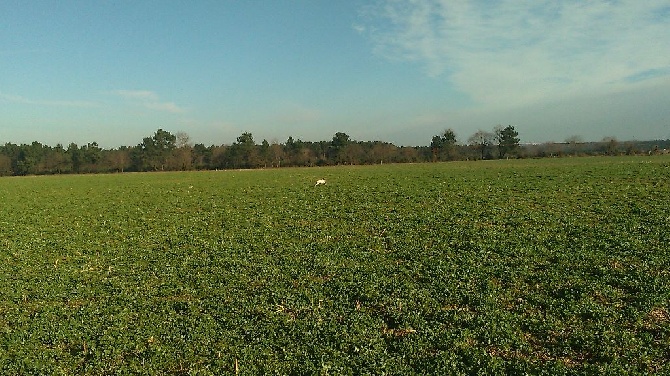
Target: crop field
[554, 266]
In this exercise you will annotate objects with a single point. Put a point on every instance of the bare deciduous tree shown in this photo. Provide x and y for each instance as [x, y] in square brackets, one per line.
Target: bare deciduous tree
[482, 141]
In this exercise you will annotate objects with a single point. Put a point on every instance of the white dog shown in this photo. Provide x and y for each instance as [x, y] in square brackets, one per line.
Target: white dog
[320, 182]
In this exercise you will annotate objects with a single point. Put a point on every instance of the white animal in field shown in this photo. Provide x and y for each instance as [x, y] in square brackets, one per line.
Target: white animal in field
[320, 182]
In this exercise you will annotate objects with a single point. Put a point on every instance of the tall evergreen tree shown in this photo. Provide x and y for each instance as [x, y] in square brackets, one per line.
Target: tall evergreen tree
[508, 140]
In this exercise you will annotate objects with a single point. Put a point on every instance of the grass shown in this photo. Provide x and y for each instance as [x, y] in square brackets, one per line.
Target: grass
[556, 266]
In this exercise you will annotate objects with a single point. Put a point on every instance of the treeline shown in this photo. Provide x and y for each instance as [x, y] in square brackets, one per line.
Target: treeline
[164, 151]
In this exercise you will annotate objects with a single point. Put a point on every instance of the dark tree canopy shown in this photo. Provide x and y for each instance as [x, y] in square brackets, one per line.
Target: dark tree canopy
[443, 147]
[154, 151]
[164, 151]
[508, 140]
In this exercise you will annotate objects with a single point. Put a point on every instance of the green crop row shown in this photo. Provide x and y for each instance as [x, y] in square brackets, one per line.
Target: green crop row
[500, 267]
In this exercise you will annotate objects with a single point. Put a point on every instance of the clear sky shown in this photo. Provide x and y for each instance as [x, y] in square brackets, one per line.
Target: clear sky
[391, 70]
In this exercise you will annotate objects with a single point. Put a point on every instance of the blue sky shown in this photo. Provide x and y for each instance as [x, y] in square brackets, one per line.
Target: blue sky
[392, 70]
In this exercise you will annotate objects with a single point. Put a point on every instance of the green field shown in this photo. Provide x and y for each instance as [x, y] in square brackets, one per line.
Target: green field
[555, 266]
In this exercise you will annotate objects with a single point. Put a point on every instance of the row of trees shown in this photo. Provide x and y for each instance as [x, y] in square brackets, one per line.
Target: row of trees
[165, 151]
[445, 147]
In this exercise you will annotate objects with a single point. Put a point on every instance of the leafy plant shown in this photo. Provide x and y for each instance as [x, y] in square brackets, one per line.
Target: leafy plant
[509, 267]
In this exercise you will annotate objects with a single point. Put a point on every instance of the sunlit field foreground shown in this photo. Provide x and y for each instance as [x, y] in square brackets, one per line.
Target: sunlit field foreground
[540, 266]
